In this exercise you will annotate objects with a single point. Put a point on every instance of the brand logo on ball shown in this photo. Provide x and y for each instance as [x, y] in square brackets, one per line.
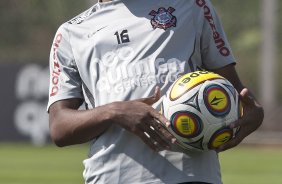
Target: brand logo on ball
[220, 137]
[186, 124]
[217, 100]
[163, 18]
[190, 80]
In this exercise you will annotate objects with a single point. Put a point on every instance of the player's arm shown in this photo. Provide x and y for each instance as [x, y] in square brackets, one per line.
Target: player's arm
[69, 126]
[253, 111]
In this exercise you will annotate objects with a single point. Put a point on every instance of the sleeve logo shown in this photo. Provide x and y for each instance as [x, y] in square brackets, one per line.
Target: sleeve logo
[56, 71]
[218, 39]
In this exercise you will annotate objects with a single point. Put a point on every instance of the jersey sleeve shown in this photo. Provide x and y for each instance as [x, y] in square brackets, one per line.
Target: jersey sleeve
[215, 49]
[65, 81]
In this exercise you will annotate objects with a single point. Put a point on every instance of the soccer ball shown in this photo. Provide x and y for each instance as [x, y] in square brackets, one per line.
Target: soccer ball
[200, 106]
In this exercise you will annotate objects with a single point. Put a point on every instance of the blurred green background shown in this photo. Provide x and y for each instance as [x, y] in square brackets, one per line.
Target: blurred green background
[27, 30]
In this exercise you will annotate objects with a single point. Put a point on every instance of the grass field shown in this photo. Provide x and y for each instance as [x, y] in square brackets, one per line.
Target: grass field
[252, 165]
[24, 164]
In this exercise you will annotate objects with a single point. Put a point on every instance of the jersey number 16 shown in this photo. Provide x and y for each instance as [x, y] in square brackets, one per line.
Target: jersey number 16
[122, 37]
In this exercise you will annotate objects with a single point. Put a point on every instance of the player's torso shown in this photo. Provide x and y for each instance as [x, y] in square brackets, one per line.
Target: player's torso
[122, 51]
[125, 48]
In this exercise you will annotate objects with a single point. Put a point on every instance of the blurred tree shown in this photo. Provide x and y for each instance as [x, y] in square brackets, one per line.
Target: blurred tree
[241, 20]
[28, 27]
[279, 40]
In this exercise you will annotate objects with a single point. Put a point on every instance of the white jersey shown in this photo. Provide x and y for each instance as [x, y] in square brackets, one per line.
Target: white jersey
[121, 50]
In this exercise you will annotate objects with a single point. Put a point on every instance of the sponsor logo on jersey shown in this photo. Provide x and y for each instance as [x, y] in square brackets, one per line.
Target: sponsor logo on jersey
[56, 71]
[163, 18]
[218, 40]
[119, 74]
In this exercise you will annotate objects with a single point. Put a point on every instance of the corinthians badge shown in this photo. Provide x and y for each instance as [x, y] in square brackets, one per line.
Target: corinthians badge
[163, 18]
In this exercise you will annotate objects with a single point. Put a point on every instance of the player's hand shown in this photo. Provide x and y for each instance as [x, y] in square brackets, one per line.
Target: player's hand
[252, 118]
[140, 118]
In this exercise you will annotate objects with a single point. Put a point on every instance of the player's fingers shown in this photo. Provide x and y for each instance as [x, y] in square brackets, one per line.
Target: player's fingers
[160, 118]
[162, 125]
[151, 138]
[163, 132]
[230, 144]
[245, 97]
[236, 124]
[157, 138]
[240, 134]
[152, 99]
[149, 141]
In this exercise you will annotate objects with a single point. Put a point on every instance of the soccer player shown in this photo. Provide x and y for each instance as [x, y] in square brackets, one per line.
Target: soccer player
[118, 58]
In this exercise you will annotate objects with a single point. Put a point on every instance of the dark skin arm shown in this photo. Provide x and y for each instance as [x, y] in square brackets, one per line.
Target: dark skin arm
[69, 126]
[253, 111]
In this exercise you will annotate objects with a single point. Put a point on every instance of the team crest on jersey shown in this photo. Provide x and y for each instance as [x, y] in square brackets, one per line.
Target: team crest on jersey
[163, 18]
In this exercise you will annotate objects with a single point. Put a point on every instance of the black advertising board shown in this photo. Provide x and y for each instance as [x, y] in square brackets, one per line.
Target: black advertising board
[23, 97]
